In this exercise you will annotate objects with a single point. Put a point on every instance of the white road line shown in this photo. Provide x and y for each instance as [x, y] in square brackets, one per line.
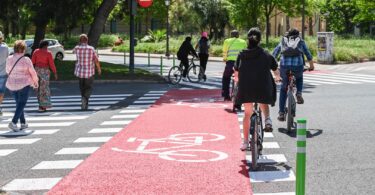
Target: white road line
[60, 124]
[6, 152]
[318, 82]
[59, 164]
[67, 100]
[124, 122]
[31, 184]
[132, 111]
[198, 85]
[360, 75]
[271, 176]
[92, 139]
[59, 108]
[63, 104]
[144, 102]
[81, 150]
[105, 130]
[269, 158]
[157, 91]
[356, 77]
[36, 132]
[153, 94]
[129, 116]
[277, 193]
[270, 145]
[350, 78]
[149, 98]
[319, 78]
[140, 106]
[18, 141]
[53, 118]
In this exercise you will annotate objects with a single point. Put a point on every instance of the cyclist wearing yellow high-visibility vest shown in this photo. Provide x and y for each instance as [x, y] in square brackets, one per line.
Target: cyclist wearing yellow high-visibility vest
[231, 49]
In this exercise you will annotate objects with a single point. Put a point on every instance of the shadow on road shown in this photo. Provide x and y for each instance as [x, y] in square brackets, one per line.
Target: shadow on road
[246, 167]
[309, 134]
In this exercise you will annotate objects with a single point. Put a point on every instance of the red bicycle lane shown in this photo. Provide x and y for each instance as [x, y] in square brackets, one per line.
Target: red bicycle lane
[186, 143]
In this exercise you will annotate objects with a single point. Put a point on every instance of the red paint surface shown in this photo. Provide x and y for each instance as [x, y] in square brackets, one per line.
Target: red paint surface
[112, 172]
[145, 3]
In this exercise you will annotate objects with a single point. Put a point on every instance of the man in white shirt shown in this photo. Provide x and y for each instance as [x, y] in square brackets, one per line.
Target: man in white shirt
[4, 52]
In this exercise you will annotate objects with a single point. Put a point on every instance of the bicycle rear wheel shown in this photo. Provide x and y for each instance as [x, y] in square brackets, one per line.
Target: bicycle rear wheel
[254, 142]
[175, 75]
[195, 74]
[290, 114]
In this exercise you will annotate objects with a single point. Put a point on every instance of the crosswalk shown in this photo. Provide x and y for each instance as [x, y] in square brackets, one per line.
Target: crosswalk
[315, 78]
[67, 158]
[268, 178]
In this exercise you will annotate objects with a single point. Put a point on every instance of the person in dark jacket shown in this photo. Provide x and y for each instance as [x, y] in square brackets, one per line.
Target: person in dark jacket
[203, 45]
[183, 53]
[255, 81]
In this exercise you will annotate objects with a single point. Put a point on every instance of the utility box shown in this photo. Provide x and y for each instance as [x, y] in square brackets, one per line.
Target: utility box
[325, 47]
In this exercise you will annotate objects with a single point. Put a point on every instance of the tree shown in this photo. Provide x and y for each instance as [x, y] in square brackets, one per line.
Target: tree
[101, 17]
[245, 13]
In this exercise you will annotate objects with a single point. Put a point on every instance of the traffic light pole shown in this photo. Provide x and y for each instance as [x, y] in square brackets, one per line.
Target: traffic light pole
[133, 7]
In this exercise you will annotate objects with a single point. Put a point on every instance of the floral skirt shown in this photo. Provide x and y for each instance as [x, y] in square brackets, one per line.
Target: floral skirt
[44, 92]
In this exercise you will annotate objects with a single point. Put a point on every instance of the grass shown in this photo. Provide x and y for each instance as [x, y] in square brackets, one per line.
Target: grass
[65, 70]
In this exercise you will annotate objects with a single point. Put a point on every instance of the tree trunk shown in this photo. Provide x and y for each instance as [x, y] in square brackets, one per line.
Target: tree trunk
[40, 32]
[287, 23]
[14, 29]
[6, 29]
[101, 17]
[311, 31]
[268, 25]
[23, 31]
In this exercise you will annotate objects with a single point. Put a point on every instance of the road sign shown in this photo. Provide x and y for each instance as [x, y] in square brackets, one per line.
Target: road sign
[145, 3]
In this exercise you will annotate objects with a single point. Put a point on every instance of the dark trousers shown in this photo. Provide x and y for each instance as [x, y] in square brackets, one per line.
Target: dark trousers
[85, 85]
[203, 58]
[185, 64]
[298, 73]
[21, 96]
[228, 72]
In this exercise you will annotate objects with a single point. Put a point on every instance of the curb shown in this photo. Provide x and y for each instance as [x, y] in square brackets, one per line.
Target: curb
[110, 81]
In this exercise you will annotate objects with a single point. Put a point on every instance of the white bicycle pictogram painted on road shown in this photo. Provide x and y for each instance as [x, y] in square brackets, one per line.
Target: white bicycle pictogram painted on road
[177, 152]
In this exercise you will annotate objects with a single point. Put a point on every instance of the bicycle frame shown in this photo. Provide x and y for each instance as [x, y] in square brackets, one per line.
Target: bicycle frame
[257, 134]
[291, 111]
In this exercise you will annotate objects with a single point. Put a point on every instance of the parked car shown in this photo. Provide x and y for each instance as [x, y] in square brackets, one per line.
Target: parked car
[54, 47]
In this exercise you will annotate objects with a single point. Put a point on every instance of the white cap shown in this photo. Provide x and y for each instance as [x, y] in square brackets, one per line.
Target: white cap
[1, 35]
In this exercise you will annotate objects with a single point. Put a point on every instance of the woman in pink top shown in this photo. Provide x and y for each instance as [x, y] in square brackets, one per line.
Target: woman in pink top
[21, 75]
[43, 63]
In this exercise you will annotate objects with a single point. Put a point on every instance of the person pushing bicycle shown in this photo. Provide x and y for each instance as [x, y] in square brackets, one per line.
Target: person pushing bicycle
[255, 81]
[185, 49]
[292, 48]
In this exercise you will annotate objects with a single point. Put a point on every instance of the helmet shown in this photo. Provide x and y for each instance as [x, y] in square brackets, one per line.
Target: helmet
[234, 33]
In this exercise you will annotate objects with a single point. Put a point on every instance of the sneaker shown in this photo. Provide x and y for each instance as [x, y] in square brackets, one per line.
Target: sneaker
[268, 125]
[245, 146]
[299, 98]
[204, 78]
[24, 126]
[13, 127]
[281, 117]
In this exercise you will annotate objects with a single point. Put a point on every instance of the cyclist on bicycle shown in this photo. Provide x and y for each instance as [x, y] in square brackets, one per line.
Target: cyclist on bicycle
[185, 49]
[255, 81]
[292, 48]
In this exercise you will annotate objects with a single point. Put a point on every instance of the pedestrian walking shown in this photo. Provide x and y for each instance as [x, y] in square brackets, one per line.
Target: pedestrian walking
[44, 64]
[87, 59]
[231, 49]
[21, 77]
[292, 49]
[4, 52]
[203, 47]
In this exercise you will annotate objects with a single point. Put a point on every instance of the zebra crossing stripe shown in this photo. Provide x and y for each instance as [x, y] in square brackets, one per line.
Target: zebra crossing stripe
[319, 78]
[124, 122]
[33, 100]
[132, 111]
[277, 193]
[6, 152]
[18, 141]
[360, 75]
[35, 132]
[269, 158]
[161, 92]
[53, 118]
[198, 85]
[59, 164]
[58, 108]
[92, 139]
[149, 98]
[271, 176]
[80, 150]
[270, 145]
[153, 94]
[318, 82]
[358, 79]
[128, 116]
[60, 124]
[144, 101]
[31, 184]
[105, 130]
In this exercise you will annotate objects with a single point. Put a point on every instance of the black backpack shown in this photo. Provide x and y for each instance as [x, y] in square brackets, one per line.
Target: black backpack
[289, 46]
[203, 46]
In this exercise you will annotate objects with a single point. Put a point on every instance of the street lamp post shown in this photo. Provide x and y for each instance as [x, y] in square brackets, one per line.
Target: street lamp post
[303, 19]
[167, 3]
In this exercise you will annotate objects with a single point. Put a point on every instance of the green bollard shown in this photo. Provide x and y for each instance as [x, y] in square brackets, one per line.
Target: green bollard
[301, 157]
[161, 65]
[149, 63]
[174, 60]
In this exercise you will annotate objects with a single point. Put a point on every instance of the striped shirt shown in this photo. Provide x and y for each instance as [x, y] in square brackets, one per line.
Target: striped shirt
[295, 61]
[23, 73]
[86, 59]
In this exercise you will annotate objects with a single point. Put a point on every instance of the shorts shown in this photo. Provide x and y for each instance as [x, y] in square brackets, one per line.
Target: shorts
[3, 80]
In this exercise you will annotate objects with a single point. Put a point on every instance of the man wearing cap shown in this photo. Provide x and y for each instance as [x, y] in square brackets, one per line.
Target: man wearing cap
[231, 49]
[4, 52]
